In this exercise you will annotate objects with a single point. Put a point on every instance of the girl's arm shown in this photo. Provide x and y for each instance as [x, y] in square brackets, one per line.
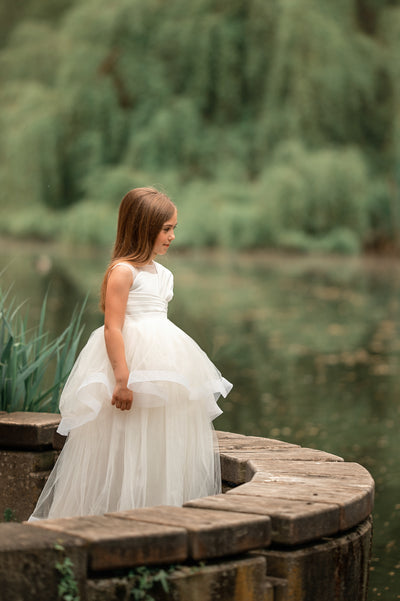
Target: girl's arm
[118, 285]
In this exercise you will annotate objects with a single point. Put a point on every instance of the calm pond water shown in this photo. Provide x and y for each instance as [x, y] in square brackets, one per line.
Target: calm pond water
[311, 344]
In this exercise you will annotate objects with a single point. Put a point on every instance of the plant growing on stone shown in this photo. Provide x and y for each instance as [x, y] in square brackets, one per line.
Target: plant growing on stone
[67, 587]
[9, 515]
[143, 580]
[26, 355]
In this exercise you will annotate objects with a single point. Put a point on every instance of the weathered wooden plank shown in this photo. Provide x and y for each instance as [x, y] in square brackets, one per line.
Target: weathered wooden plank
[253, 442]
[353, 473]
[237, 469]
[355, 501]
[119, 543]
[226, 435]
[293, 521]
[285, 454]
[210, 533]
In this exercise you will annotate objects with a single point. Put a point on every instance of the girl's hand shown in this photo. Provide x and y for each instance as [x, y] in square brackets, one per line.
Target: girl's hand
[122, 397]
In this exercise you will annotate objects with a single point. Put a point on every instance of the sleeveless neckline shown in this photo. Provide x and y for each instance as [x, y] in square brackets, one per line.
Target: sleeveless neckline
[149, 268]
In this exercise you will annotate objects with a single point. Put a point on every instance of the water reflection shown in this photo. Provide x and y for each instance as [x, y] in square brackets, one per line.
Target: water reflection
[311, 344]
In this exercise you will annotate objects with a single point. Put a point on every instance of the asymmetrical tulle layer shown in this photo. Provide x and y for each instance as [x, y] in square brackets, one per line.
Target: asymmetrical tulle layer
[159, 354]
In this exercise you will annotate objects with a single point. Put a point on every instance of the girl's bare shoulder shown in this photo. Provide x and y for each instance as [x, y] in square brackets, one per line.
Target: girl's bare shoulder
[123, 273]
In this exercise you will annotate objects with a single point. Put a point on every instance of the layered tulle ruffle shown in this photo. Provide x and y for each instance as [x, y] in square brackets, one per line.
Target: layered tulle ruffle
[159, 354]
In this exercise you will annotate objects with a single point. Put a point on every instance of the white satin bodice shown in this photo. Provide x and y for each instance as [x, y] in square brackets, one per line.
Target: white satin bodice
[150, 292]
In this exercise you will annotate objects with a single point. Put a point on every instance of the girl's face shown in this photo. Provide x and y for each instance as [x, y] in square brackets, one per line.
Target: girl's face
[166, 236]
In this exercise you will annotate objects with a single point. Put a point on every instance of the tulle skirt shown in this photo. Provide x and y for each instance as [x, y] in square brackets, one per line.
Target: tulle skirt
[162, 451]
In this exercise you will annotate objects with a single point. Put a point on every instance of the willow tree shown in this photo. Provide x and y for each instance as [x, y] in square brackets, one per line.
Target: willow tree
[246, 102]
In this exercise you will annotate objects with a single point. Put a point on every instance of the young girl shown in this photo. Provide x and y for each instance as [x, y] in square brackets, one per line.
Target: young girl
[138, 404]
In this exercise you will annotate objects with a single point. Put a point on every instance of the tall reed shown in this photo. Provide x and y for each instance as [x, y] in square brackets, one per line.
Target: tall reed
[27, 356]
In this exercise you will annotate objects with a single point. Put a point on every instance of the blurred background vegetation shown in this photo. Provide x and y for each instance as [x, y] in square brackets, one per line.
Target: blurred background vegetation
[271, 124]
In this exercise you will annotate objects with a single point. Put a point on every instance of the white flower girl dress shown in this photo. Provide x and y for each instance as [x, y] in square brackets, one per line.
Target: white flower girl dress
[163, 450]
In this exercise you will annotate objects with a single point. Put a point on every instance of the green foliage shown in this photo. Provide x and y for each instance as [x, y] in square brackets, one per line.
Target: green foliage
[323, 79]
[9, 515]
[315, 192]
[25, 357]
[68, 586]
[340, 241]
[90, 223]
[292, 103]
[39, 223]
[11, 14]
[144, 579]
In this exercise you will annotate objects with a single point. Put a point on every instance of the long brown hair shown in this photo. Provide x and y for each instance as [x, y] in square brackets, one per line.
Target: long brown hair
[142, 213]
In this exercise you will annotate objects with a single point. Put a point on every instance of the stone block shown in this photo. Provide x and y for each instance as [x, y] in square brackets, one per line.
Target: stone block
[28, 558]
[210, 533]
[353, 495]
[332, 570]
[22, 477]
[268, 591]
[236, 580]
[115, 543]
[292, 521]
[239, 465]
[234, 469]
[26, 430]
[58, 441]
[279, 588]
[352, 473]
